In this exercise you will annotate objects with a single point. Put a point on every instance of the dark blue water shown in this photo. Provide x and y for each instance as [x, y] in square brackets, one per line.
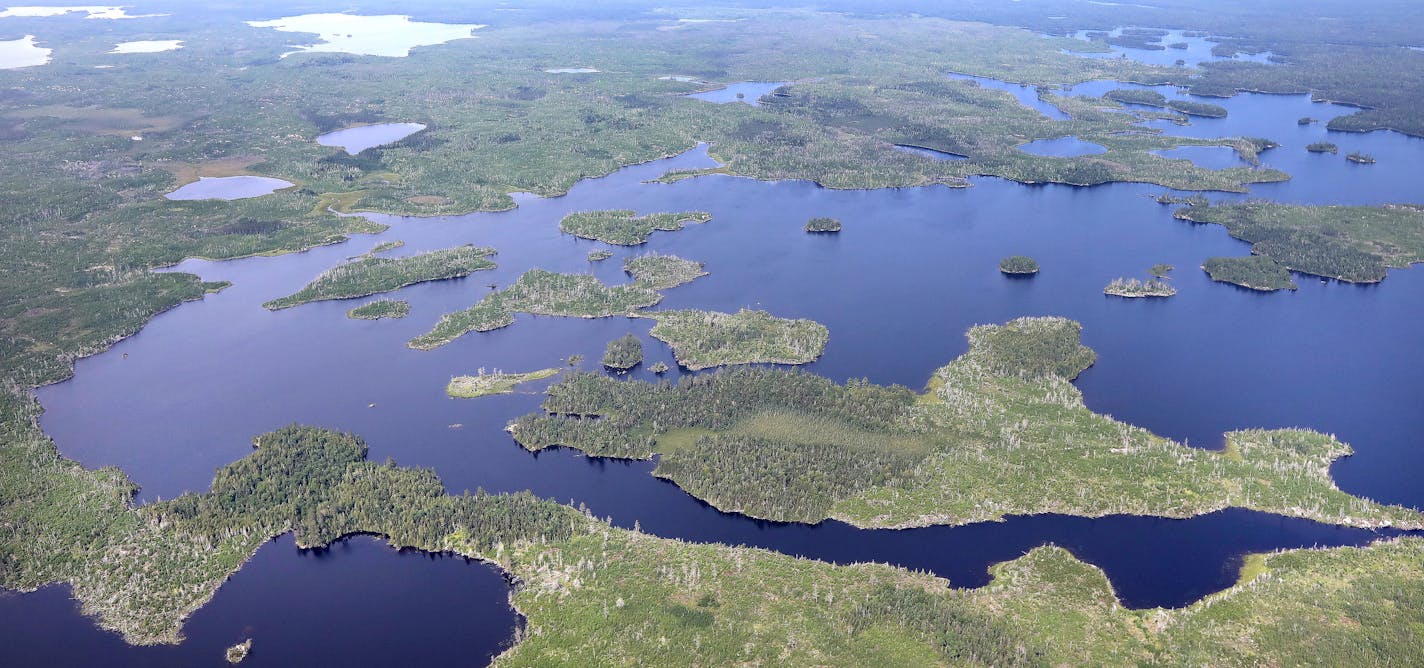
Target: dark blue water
[1026, 95]
[750, 92]
[358, 603]
[912, 270]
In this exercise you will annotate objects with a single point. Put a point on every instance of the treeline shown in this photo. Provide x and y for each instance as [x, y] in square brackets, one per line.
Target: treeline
[603, 416]
[962, 632]
[1254, 271]
[371, 275]
[1031, 347]
[624, 227]
[317, 483]
[1350, 243]
[789, 481]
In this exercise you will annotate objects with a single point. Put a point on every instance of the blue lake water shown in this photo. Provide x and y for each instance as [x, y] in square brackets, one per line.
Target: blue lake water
[357, 139]
[228, 188]
[1063, 147]
[1330, 356]
[1210, 157]
[356, 603]
[1026, 95]
[1197, 51]
[749, 92]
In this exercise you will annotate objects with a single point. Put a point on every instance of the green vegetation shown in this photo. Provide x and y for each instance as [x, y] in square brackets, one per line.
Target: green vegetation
[372, 275]
[661, 272]
[489, 314]
[1322, 147]
[89, 220]
[1161, 270]
[237, 653]
[383, 308]
[1256, 272]
[1134, 288]
[623, 353]
[1141, 96]
[704, 339]
[484, 384]
[1202, 109]
[822, 225]
[659, 368]
[599, 255]
[541, 293]
[624, 227]
[1348, 243]
[588, 589]
[1000, 431]
[1019, 265]
[1360, 158]
[386, 246]
[1152, 98]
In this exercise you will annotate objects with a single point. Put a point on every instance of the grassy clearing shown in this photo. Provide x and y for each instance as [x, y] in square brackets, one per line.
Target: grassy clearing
[373, 275]
[383, 308]
[1347, 243]
[483, 384]
[704, 339]
[624, 227]
[1000, 431]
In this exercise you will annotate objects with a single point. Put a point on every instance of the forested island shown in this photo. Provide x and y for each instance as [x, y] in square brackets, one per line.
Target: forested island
[999, 431]
[1135, 288]
[382, 308]
[623, 353]
[624, 227]
[823, 225]
[372, 275]
[1019, 265]
[1253, 271]
[1348, 243]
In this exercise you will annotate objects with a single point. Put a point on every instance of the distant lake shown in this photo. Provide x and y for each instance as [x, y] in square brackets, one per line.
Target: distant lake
[229, 188]
[392, 36]
[362, 137]
[23, 52]
[749, 92]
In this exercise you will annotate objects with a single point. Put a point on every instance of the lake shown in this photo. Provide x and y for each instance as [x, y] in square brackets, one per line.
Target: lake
[1330, 356]
[749, 92]
[229, 188]
[357, 139]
